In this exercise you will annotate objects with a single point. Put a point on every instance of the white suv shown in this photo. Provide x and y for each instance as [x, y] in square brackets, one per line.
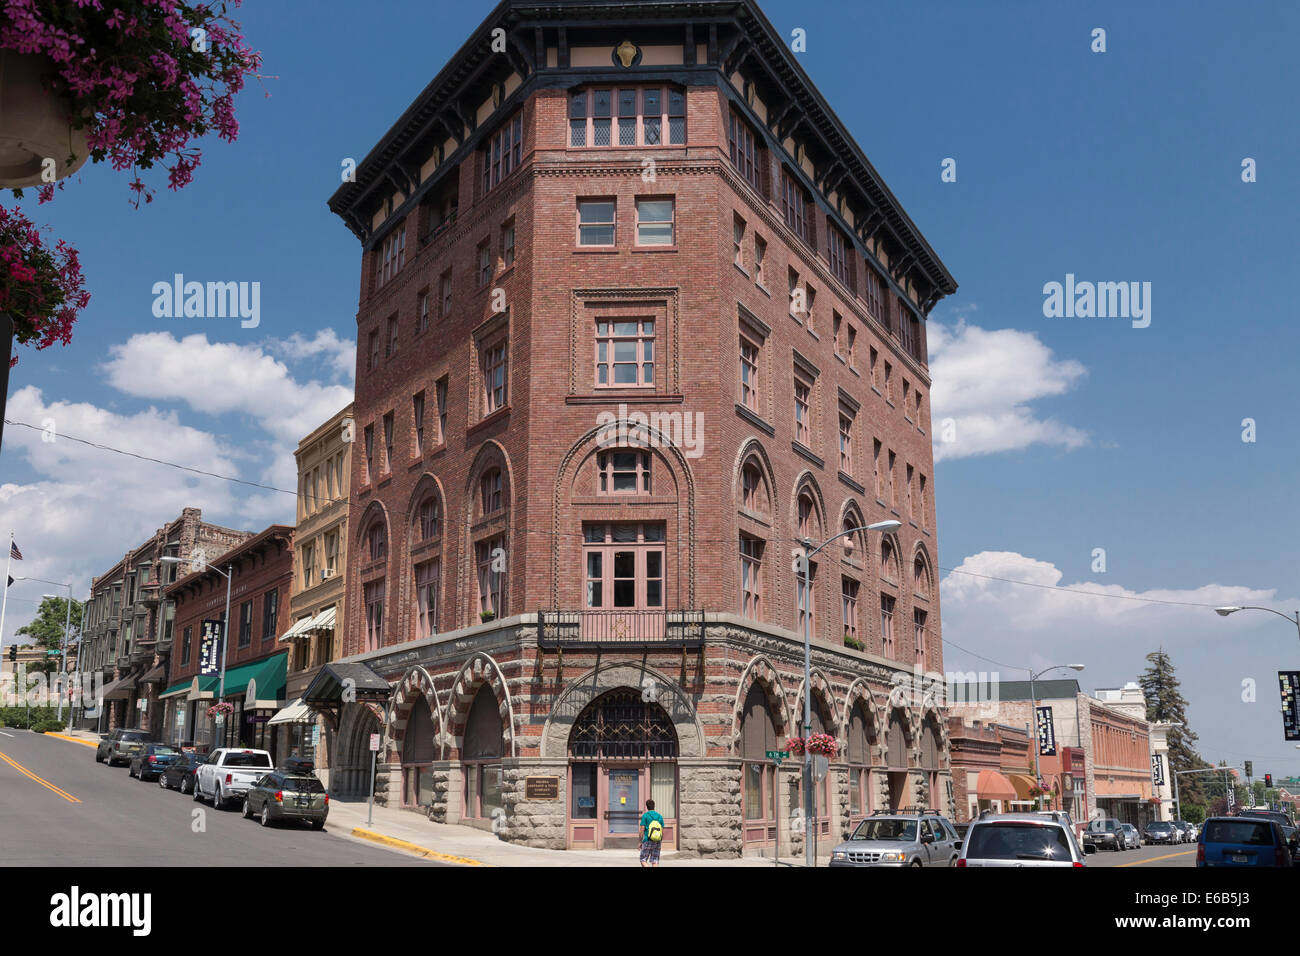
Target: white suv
[1008, 839]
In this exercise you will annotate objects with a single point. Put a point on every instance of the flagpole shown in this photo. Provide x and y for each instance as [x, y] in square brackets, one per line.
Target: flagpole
[4, 602]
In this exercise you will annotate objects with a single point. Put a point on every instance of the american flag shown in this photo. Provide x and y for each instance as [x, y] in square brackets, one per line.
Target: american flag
[14, 552]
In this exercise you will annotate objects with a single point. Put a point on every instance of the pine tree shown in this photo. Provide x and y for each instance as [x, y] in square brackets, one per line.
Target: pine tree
[1166, 704]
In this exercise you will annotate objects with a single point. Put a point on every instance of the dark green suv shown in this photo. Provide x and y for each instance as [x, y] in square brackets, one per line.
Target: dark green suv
[282, 795]
[120, 745]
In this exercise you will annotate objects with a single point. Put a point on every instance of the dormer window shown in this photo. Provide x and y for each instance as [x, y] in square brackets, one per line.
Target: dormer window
[651, 116]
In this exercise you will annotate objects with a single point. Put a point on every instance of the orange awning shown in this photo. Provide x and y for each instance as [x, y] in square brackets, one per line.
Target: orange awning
[991, 785]
[1021, 783]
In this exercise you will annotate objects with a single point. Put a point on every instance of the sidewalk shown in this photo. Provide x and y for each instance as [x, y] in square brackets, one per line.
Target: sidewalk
[452, 843]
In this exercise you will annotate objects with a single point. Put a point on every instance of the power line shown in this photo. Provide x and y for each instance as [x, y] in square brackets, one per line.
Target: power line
[1053, 587]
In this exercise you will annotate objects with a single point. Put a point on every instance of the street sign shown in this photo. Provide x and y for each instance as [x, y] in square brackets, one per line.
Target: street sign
[53, 653]
[777, 755]
[374, 743]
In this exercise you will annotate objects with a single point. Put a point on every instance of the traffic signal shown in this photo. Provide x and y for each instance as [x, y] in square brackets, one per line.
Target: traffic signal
[13, 652]
[1268, 781]
[1249, 767]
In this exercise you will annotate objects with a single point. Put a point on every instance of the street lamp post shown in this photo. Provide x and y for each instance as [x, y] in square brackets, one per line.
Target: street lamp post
[225, 623]
[809, 843]
[1033, 714]
[1233, 609]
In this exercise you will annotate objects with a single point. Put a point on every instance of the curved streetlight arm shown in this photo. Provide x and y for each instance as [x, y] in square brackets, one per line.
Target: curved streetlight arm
[1255, 607]
[889, 526]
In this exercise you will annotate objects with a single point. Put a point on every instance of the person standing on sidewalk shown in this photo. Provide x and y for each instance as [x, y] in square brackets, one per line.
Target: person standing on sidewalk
[652, 834]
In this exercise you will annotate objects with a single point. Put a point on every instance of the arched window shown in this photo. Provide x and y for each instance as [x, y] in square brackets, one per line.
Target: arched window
[896, 741]
[888, 559]
[480, 755]
[861, 736]
[758, 773]
[853, 543]
[920, 577]
[427, 523]
[807, 516]
[754, 496]
[491, 495]
[377, 540]
[930, 748]
[417, 754]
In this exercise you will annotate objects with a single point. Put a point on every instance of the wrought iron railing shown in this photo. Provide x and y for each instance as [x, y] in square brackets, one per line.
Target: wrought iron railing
[619, 627]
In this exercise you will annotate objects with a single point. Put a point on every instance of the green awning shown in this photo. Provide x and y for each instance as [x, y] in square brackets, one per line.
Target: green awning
[268, 675]
[207, 685]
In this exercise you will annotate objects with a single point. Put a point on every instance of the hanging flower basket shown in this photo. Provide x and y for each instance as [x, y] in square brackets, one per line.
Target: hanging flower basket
[823, 744]
[794, 745]
[224, 708]
[40, 288]
[131, 82]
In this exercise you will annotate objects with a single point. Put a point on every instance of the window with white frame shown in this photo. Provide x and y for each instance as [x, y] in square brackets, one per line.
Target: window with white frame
[625, 353]
[595, 222]
[654, 222]
[623, 472]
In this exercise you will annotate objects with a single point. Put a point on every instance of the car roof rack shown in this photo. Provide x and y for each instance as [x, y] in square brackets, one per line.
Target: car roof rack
[906, 812]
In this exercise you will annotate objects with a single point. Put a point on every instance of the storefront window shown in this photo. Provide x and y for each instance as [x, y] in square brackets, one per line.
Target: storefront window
[584, 792]
[481, 755]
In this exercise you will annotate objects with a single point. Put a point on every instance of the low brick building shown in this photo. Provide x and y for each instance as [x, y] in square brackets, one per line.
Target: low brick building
[989, 763]
[260, 570]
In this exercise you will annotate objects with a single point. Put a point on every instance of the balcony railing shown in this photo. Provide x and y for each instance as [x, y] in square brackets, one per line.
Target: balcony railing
[620, 628]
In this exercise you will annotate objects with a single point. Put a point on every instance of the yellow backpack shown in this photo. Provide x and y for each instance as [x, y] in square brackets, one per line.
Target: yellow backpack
[655, 831]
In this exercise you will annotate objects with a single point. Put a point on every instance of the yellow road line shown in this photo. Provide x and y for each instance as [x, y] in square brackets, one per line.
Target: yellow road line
[75, 740]
[1167, 856]
[414, 848]
[43, 782]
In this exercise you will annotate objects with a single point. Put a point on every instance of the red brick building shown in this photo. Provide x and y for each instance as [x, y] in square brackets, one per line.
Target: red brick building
[637, 319]
[260, 572]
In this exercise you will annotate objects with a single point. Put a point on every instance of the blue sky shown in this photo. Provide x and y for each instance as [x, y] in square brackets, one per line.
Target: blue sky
[1072, 434]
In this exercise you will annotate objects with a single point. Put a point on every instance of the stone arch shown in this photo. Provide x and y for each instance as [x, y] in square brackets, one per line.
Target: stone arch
[350, 761]
[753, 451]
[479, 669]
[760, 670]
[606, 677]
[860, 692]
[415, 684]
[578, 453]
[821, 689]
[931, 712]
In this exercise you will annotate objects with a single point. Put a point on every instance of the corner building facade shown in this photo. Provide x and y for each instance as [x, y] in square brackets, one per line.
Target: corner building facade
[637, 321]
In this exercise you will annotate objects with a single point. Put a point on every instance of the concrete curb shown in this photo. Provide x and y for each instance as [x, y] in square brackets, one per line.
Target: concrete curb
[415, 848]
[75, 740]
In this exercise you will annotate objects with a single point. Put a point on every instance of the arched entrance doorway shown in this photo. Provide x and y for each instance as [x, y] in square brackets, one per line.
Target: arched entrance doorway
[931, 752]
[480, 756]
[351, 776]
[622, 751]
[861, 747]
[758, 774]
[418, 754]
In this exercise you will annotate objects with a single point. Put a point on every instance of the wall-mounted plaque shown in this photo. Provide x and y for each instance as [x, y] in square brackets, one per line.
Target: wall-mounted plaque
[541, 788]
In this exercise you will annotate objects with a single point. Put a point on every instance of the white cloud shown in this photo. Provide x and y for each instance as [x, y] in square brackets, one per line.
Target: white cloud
[339, 355]
[985, 380]
[219, 378]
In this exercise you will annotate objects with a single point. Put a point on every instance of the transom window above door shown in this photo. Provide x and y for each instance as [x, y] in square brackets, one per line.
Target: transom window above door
[650, 116]
[625, 353]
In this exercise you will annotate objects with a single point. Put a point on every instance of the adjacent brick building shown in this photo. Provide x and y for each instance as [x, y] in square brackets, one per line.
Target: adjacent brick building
[637, 319]
[128, 625]
[260, 571]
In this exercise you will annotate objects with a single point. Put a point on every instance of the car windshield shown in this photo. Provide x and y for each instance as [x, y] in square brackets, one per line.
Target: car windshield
[303, 785]
[1106, 825]
[1017, 841]
[902, 831]
[248, 760]
[1159, 826]
[1242, 832]
[136, 735]
[163, 750]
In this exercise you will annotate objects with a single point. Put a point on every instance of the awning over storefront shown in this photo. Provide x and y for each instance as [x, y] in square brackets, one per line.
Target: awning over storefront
[324, 621]
[1022, 784]
[327, 687]
[156, 676]
[295, 713]
[991, 785]
[1120, 796]
[262, 682]
[298, 629]
[182, 687]
[119, 689]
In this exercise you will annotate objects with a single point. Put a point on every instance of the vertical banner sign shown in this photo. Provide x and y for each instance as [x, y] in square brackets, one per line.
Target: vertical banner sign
[1157, 770]
[1046, 733]
[1289, 681]
[210, 648]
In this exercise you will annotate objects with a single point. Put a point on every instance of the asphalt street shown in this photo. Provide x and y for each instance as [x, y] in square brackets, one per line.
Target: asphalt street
[58, 807]
[1159, 855]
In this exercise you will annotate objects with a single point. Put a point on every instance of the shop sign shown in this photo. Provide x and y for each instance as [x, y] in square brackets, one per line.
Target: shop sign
[1289, 683]
[1046, 733]
[210, 648]
[541, 788]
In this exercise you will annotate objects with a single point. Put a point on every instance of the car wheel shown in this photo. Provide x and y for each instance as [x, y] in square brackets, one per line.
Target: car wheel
[219, 799]
[248, 809]
[953, 861]
[162, 784]
[185, 788]
[916, 863]
[320, 825]
[266, 815]
[198, 792]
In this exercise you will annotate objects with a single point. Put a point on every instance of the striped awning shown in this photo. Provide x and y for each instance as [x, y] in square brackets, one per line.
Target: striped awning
[295, 713]
[299, 628]
[324, 621]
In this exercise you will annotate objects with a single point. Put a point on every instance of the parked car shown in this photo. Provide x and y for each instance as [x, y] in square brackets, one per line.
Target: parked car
[180, 772]
[1132, 839]
[899, 838]
[119, 746]
[1104, 834]
[149, 760]
[288, 796]
[1242, 841]
[229, 773]
[1187, 831]
[1162, 831]
[1020, 840]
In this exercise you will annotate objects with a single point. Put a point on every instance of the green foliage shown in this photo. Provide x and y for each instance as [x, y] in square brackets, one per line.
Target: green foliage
[23, 718]
[1193, 812]
[47, 630]
[45, 726]
[1166, 704]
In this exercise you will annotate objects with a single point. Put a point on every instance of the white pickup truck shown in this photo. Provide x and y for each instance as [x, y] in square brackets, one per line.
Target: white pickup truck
[229, 773]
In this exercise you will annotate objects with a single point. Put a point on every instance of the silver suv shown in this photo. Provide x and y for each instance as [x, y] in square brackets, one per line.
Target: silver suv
[908, 837]
[1014, 839]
